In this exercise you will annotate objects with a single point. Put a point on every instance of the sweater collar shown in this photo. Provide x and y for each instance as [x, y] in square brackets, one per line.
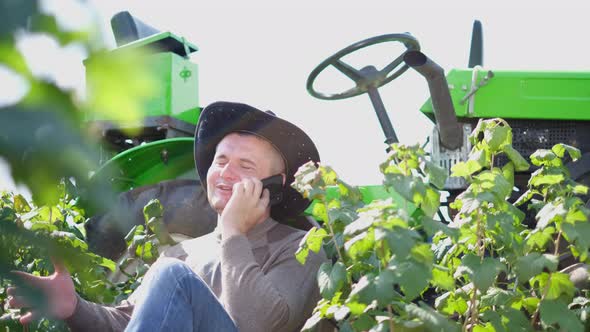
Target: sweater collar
[257, 235]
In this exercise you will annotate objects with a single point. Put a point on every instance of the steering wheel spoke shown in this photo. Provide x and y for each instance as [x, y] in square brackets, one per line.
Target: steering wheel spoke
[392, 65]
[348, 70]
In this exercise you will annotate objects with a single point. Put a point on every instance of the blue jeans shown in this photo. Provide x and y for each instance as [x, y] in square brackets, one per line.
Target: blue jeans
[173, 298]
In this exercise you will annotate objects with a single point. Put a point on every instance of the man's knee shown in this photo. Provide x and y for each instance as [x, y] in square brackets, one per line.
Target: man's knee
[167, 268]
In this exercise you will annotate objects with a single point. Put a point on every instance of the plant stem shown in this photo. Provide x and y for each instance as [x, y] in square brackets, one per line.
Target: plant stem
[472, 313]
[391, 327]
[332, 233]
[535, 319]
[556, 250]
[546, 290]
[473, 310]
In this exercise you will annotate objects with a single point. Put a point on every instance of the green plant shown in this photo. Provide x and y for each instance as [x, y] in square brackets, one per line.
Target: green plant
[393, 267]
[44, 142]
[31, 236]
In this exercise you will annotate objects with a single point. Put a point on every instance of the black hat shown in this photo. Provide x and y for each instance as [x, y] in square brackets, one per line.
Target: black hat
[221, 118]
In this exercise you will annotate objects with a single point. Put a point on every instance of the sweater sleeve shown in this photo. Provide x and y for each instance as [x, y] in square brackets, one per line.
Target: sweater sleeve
[280, 300]
[90, 316]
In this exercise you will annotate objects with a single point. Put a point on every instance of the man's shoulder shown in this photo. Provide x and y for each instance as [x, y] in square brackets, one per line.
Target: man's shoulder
[282, 234]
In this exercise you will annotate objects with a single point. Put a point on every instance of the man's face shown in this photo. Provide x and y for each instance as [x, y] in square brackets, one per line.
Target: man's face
[238, 156]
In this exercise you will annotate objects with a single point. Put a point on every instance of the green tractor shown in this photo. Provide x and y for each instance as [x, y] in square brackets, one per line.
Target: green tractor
[543, 108]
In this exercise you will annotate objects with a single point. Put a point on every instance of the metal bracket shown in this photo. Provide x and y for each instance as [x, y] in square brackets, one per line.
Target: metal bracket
[475, 86]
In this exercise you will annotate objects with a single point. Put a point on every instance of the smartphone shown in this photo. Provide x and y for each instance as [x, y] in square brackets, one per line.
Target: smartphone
[274, 184]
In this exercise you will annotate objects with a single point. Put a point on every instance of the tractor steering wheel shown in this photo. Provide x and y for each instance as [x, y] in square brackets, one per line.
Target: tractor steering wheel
[368, 76]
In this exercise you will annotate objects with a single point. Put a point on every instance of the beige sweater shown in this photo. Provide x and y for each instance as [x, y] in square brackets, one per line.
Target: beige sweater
[256, 278]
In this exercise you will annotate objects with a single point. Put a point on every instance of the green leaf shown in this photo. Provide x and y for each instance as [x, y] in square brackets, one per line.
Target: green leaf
[436, 174]
[531, 303]
[525, 197]
[408, 187]
[559, 285]
[401, 241]
[411, 276]
[578, 234]
[423, 253]
[430, 202]
[363, 323]
[356, 308]
[560, 149]
[433, 320]
[109, 264]
[153, 209]
[451, 303]
[497, 297]
[544, 157]
[517, 321]
[432, 226]
[539, 238]
[495, 182]
[315, 238]
[533, 264]
[364, 290]
[508, 173]
[331, 279]
[385, 292]
[484, 328]
[359, 225]
[328, 175]
[551, 212]
[579, 189]
[465, 169]
[312, 240]
[520, 164]
[443, 279]
[556, 312]
[21, 205]
[482, 272]
[319, 212]
[312, 322]
[360, 245]
[497, 137]
[546, 177]
[153, 213]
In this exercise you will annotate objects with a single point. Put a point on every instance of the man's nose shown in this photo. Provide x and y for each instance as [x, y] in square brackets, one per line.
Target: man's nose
[228, 172]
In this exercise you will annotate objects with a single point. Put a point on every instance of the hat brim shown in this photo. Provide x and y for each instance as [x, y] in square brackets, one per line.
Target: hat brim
[222, 118]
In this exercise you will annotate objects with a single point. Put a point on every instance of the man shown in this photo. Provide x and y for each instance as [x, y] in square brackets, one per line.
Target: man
[243, 276]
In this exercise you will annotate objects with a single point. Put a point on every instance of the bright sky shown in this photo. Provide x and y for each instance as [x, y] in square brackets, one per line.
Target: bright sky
[261, 52]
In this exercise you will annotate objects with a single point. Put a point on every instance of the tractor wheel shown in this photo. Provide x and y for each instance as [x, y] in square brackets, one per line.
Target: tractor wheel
[186, 212]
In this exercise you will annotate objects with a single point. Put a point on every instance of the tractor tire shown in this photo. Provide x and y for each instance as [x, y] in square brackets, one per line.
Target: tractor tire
[186, 211]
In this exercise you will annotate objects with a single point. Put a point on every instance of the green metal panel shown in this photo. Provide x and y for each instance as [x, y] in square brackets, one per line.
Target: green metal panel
[175, 75]
[177, 88]
[521, 95]
[150, 163]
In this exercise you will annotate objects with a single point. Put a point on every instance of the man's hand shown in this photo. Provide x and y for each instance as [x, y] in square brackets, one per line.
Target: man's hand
[59, 295]
[245, 209]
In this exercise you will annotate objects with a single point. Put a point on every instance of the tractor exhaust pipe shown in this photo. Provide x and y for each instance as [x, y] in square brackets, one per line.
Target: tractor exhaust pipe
[449, 129]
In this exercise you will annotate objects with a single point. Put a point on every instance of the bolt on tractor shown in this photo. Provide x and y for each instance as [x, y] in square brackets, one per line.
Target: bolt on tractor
[543, 108]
